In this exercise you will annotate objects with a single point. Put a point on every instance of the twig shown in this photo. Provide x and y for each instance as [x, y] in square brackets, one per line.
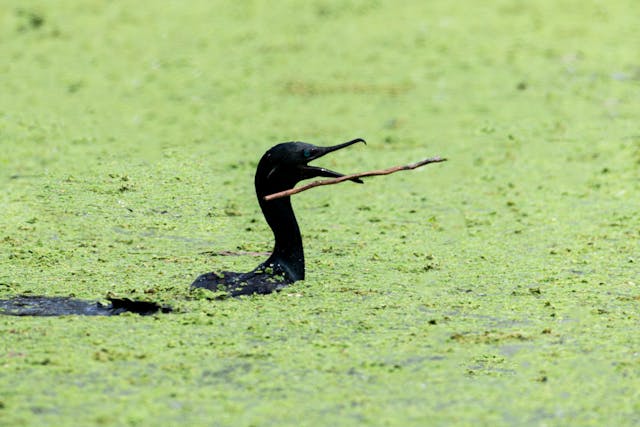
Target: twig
[352, 176]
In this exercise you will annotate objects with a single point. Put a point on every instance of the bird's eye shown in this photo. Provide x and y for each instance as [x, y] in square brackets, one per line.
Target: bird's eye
[307, 153]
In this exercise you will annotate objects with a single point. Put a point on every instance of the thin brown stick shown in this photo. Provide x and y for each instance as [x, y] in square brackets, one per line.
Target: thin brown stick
[352, 176]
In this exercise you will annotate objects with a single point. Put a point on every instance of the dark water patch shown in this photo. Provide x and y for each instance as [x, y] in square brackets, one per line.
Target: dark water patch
[66, 306]
[235, 253]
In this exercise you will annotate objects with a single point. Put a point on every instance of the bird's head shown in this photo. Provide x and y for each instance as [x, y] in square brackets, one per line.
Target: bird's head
[286, 164]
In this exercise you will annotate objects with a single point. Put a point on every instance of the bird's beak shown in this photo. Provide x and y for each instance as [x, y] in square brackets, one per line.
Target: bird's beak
[326, 150]
[313, 171]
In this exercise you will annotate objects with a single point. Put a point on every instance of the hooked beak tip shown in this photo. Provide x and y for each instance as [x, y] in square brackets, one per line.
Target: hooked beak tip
[346, 144]
[327, 150]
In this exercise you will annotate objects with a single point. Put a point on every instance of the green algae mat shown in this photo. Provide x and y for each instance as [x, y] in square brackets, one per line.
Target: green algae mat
[499, 288]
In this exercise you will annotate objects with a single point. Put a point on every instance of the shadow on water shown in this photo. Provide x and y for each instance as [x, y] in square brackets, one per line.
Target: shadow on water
[65, 306]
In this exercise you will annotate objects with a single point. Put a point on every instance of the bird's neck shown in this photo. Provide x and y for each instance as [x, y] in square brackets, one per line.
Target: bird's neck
[288, 254]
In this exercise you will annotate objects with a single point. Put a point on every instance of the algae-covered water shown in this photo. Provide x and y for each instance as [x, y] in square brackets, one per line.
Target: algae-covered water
[499, 288]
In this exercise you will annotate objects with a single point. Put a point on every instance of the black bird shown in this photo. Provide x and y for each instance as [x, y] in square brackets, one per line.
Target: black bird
[279, 169]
